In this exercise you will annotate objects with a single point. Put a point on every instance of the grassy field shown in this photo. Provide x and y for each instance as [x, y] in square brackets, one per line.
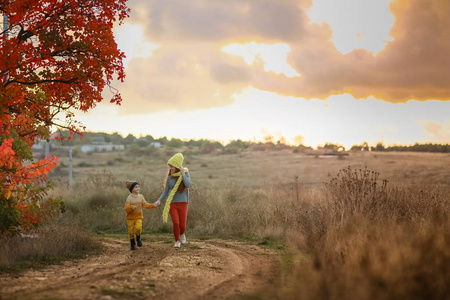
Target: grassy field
[371, 225]
[255, 168]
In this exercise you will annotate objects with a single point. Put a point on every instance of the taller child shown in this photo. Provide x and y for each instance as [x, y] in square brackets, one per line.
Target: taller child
[176, 191]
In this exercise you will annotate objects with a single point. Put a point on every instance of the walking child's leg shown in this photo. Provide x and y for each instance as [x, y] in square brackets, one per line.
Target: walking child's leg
[130, 224]
[174, 214]
[131, 227]
[138, 227]
[183, 211]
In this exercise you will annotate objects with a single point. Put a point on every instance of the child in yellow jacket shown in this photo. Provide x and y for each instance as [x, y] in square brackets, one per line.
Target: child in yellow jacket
[133, 206]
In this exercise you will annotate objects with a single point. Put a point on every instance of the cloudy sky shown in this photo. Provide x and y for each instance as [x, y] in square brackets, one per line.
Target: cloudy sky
[340, 71]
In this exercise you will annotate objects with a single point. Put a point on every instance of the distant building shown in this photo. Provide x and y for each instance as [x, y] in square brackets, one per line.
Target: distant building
[99, 145]
[100, 148]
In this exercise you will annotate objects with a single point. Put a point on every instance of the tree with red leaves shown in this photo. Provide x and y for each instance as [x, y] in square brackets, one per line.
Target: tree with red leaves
[57, 56]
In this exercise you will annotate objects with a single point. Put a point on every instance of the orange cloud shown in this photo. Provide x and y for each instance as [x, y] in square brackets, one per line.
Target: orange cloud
[190, 71]
[432, 127]
[176, 78]
[414, 66]
[436, 132]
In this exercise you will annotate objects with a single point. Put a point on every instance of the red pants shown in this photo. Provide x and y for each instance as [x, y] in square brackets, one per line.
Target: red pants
[178, 212]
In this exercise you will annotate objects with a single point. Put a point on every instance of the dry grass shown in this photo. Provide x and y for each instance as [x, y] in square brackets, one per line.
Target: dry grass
[370, 226]
[52, 243]
[256, 168]
[365, 242]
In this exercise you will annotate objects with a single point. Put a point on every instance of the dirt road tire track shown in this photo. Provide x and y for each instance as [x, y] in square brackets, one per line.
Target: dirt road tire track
[211, 269]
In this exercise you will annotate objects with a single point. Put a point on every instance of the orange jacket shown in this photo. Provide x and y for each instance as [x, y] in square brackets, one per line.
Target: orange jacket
[140, 203]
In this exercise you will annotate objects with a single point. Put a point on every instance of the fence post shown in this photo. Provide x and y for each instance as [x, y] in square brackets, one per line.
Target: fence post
[70, 167]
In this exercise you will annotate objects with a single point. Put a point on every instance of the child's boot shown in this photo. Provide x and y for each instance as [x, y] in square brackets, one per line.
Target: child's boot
[138, 240]
[133, 244]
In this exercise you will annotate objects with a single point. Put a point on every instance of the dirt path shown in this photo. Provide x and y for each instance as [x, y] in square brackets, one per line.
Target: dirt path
[211, 269]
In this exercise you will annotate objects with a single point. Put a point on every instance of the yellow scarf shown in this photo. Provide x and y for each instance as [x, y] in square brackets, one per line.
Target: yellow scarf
[172, 193]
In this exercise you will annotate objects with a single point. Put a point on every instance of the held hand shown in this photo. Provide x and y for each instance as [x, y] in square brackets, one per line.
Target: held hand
[157, 203]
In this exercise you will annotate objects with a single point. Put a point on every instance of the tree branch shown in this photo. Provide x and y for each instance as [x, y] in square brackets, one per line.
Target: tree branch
[24, 35]
[69, 81]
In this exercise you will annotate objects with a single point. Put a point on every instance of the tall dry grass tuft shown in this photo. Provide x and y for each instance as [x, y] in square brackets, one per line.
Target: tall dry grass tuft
[52, 243]
[354, 192]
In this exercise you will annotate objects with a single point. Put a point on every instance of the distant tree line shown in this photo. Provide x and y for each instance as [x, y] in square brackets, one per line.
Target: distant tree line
[115, 138]
[428, 147]
[206, 145]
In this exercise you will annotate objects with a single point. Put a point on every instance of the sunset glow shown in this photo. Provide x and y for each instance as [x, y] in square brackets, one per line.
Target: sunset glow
[343, 72]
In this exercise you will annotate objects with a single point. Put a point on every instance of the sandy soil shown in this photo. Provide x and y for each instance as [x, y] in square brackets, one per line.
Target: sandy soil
[209, 269]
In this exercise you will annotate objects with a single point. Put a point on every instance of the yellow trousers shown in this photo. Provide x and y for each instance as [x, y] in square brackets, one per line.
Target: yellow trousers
[134, 225]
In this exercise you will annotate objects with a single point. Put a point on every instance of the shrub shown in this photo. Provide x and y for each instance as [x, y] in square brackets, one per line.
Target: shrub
[84, 164]
[98, 200]
[354, 192]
